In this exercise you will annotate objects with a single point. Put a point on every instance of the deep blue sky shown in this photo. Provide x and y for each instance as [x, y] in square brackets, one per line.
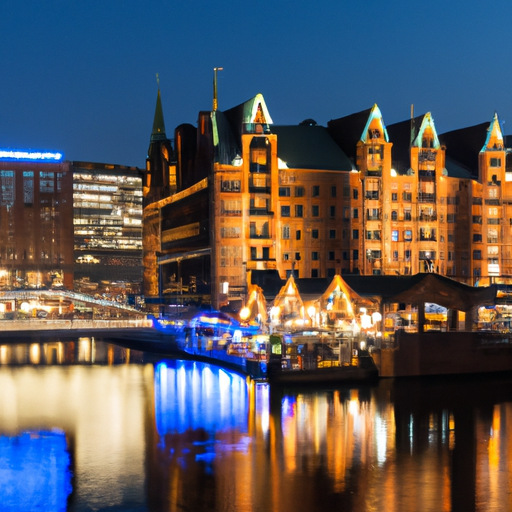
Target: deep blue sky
[78, 76]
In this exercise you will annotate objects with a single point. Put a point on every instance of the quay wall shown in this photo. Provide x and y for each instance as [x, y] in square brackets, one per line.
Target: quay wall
[446, 353]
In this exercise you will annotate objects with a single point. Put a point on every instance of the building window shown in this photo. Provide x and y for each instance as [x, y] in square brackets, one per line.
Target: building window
[355, 213]
[298, 234]
[333, 191]
[407, 196]
[345, 255]
[314, 233]
[477, 254]
[299, 191]
[355, 193]
[28, 187]
[355, 254]
[407, 255]
[285, 233]
[315, 210]
[266, 253]
[395, 255]
[394, 196]
[394, 215]
[331, 272]
[230, 186]
[299, 210]
[407, 235]
[332, 234]
[394, 235]
[314, 272]
[407, 215]
[254, 253]
[315, 191]
[332, 211]
[231, 232]
[314, 256]
[355, 234]
[286, 256]
[330, 255]
[297, 256]
[495, 162]
[285, 211]
[477, 237]
[284, 191]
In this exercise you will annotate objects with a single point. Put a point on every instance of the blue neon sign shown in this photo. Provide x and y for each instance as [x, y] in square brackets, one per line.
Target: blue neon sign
[29, 155]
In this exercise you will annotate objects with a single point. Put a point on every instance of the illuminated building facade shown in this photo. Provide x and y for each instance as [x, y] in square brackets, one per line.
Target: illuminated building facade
[256, 201]
[36, 220]
[107, 202]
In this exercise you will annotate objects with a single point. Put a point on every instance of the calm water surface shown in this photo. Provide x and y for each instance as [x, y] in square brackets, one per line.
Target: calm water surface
[87, 426]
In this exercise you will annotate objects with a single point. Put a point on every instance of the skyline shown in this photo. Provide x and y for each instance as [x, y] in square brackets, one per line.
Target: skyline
[81, 79]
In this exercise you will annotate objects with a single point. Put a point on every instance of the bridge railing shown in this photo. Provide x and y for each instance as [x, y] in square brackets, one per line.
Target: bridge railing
[73, 324]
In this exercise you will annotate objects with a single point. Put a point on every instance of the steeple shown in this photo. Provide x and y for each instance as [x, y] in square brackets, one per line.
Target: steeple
[160, 174]
[158, 132]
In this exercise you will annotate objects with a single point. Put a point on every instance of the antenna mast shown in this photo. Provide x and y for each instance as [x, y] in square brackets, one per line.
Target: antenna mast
[215, 102]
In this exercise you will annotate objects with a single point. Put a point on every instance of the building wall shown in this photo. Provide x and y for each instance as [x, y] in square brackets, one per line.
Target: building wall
[36, 224]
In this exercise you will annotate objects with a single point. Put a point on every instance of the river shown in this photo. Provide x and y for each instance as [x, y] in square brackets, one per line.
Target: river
[87, 426]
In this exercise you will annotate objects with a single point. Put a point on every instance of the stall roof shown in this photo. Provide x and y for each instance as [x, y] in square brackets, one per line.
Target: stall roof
[422, 287]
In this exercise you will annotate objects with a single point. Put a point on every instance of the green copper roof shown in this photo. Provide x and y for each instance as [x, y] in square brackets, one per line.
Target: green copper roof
[158, 132]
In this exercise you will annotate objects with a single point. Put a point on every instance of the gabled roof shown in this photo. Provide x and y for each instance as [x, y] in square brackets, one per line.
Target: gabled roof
[464, 145]
[309, 147]
[346, 131]
[247, 112]
[402, 135]
[422, 287]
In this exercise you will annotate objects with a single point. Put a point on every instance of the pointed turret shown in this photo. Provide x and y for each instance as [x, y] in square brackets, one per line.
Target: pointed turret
[158, 132]
[160, 176]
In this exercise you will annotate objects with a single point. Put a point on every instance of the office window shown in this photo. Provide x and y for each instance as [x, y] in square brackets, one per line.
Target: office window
[315, 191]
[315, 210]
[314, 272]
[297, 235]
[314, 233]
[332, 234]
[314, 256]
[355, 234]
[299, 191]
[285, 211]
[355, 254]
[477, 237]
[284, 191]
[355, 193]
[477, 254]
[299, 210]
[355, 213]
[332, 211]
[330, 255]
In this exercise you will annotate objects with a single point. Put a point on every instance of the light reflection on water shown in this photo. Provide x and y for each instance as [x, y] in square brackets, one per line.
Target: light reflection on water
[184, 435]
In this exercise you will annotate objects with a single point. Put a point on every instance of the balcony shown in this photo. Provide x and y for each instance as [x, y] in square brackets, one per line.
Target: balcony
[426, 198]
[260, 211]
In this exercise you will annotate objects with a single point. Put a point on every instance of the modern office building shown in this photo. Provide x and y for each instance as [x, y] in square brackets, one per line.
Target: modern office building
[107, 219]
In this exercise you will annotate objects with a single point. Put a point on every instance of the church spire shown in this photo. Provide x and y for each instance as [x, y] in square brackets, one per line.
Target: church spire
[158, 132]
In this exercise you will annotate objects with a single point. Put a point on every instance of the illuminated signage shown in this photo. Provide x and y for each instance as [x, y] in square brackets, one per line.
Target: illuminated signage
[27, 155]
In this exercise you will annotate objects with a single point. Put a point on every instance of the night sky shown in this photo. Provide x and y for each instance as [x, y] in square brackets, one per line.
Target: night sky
[79, 76]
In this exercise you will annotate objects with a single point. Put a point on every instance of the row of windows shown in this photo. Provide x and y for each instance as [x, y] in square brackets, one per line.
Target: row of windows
[299, 211]
[285, 233]
[299, 191]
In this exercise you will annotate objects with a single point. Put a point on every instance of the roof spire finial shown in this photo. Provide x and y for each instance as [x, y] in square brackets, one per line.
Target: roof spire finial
[215, 102]
[158, 81]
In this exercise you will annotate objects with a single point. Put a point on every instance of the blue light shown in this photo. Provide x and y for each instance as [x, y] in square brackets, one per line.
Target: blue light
[28, 155]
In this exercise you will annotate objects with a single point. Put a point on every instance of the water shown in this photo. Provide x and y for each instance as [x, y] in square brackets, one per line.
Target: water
[86, 426]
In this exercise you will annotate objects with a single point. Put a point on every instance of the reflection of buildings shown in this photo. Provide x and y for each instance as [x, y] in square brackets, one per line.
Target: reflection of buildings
[64, 221]
[249, 200]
